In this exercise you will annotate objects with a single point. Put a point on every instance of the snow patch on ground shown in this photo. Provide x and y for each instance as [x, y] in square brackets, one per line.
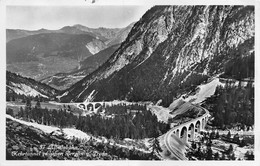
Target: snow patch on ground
[44, 128]
[238, 151]
[163, 114]
[205, 91]
[25, 90]
[70, 133]
[14, 105]
[64, 94]
[176, 103]
[181, 109]
[241, 151]
[146, 142]
[140, 144]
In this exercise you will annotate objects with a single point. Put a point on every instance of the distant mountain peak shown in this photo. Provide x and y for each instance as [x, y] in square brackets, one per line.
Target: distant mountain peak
[78, 25]
[42, 29]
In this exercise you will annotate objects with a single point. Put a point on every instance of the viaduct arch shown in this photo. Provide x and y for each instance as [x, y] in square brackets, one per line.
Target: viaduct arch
[91, 106]
[95, 106]
[188, 130]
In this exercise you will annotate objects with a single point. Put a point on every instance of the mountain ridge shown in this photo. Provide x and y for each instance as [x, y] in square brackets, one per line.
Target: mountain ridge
[43, 53]
[74, 29]
[167, 45]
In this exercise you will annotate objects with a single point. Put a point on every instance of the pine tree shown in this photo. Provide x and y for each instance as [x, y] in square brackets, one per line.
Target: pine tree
[38, 105]
[212, 135]
[216, 156]
[21, 112]
[155, 147]
[10, 111]
[223, 157]
[13, 98]
[249, 155]
[209, 153]
[28, 104]
[193, 145]
[232, 156]
[230, 149]
[69, 108]
[228, 135]
[236, 138]
[217, 135]
[199, 153]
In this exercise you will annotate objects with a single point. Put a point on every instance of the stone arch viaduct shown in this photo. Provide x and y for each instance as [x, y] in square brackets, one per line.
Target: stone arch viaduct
[94, 106]
[186, 132]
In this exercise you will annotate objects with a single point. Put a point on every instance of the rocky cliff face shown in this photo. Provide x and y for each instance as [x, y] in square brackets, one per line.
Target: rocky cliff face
[120, 36]
[170, 51]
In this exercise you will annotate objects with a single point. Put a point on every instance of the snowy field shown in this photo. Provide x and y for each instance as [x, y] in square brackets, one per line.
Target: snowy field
[163, 114]
[70, 133]
[204, 91]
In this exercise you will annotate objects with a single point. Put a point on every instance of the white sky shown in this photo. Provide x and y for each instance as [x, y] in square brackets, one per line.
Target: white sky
[56, 17]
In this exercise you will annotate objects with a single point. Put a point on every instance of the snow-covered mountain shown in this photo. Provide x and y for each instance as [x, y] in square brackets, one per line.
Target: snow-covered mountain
[170, 51]
[18, 85]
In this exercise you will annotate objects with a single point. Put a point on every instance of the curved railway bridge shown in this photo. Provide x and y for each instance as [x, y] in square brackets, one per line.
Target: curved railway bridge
[186, 132]
[180, 134]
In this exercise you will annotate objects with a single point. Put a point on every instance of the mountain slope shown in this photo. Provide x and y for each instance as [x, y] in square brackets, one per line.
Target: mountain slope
[120, 36]
[19, 33]
[65, 45]
[170, 51]
[18, 85]
[111, 36]
[65, 80]
[42, 55]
